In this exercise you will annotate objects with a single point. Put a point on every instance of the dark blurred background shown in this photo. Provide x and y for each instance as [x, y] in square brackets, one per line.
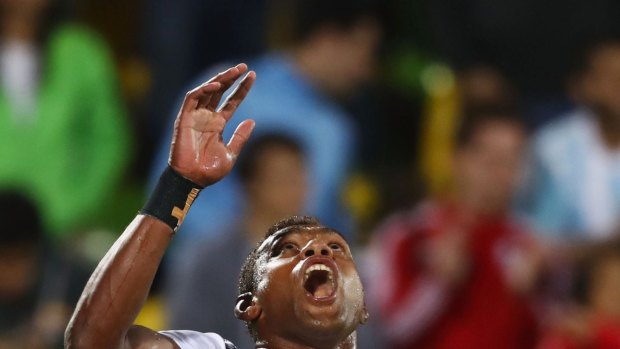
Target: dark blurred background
[469, 149]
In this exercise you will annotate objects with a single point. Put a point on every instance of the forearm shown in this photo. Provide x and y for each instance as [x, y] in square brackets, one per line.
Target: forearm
[119, 286]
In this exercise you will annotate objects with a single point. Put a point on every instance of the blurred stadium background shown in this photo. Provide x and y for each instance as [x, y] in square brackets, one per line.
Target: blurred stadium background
[473, 143]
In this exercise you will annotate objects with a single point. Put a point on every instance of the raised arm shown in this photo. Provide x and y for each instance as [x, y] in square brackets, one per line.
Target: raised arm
[120, 284]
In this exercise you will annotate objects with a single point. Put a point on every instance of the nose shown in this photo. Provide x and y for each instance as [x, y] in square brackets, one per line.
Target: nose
[316, 248]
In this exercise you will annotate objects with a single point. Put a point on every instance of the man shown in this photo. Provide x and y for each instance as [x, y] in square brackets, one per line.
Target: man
[455, 273]
[298, 289]
[42, 105]
[331, 53]
[273, 171]
[575, 188]
[39, 285]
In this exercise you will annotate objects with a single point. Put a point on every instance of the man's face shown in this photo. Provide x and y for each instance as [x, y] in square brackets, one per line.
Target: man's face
[488, 167]
[601, 83]
[309, 286]
[18, 271]
[280, 185]
[351, 55]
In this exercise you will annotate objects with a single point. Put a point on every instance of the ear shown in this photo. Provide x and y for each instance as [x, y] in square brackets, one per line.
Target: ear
[247, 309]
[365, 316]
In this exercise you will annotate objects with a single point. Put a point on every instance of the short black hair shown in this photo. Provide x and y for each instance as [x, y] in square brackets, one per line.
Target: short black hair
[248, 161]
[21, 222]
[58, 12]
[476, 118]
[300, 19]
[248, 279]
[311, 15]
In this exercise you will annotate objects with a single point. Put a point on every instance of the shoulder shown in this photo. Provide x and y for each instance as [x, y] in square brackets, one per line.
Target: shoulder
[559, 135]
[76, 51]
[423, 216]
[561, 147]
[406, 228]
[197, 340]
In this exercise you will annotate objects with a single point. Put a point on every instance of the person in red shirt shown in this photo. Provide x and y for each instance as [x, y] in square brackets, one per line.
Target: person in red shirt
[457, 272]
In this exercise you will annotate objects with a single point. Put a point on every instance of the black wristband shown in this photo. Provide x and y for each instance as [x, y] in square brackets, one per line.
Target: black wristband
[172, 198]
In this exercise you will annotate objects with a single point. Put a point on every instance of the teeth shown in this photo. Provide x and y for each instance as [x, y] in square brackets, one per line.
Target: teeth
[318, 267]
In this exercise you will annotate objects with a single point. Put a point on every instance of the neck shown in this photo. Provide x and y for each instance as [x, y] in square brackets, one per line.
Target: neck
[475, 206]
[258, 221]
[309, 62]
[609, 128]
[19, 28]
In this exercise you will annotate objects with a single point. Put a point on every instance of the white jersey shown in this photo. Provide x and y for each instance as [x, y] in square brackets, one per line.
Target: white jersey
[198, 340]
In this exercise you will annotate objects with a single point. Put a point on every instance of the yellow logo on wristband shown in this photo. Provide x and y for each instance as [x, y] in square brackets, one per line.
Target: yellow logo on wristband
[180, 214]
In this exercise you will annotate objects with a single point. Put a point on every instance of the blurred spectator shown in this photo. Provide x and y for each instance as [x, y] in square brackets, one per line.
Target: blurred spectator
[38, 287]
[528, 41]
[63, 136]
[179, 40]
[449, 94]
[294, 94]
[458, 273]
[574, 190]
[273, 173]
[595, 323]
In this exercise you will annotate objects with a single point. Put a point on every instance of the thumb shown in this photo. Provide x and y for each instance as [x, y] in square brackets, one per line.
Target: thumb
[240, 137]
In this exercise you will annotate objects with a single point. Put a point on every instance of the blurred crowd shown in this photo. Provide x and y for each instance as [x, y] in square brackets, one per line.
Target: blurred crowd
[469, 149]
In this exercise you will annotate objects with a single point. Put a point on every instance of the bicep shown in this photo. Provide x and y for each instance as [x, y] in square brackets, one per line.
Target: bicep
[140, 337]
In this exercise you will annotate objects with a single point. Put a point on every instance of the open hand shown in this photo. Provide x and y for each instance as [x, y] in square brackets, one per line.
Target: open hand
[198, 151]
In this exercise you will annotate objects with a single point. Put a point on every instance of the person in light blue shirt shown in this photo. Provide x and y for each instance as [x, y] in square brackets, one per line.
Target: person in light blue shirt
[273, 175]
[331, 56]
[574, 191]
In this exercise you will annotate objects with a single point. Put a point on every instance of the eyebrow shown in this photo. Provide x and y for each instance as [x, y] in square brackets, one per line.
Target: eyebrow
[271, 240]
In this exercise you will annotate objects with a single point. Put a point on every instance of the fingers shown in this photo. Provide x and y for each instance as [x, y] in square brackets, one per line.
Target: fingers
[193, 97]
[226, 79]
[209, 94]
[236, 97]
[240, 137]
[230, 73]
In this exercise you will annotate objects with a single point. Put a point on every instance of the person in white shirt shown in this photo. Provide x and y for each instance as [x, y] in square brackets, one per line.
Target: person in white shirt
[574, 187]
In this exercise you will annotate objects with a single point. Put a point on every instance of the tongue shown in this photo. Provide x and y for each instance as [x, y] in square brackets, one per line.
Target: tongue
[319, 284]
[323, 290]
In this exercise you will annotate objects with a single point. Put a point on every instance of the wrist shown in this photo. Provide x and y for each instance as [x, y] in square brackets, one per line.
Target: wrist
[172, 198]
[191, 175]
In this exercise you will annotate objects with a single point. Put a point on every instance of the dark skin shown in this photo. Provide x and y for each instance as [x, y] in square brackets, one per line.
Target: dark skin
[285, 314]
[119, 286]
[600, 88]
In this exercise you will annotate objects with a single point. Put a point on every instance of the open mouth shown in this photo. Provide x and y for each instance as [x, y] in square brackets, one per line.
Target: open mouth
[319, 281]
